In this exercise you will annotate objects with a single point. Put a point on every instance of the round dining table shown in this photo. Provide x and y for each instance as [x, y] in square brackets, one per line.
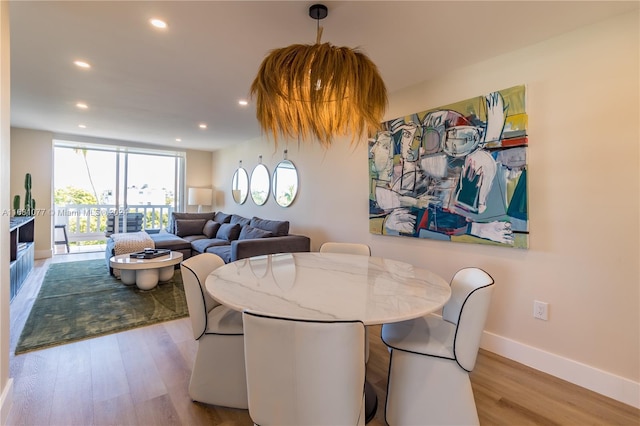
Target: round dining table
[329, 287]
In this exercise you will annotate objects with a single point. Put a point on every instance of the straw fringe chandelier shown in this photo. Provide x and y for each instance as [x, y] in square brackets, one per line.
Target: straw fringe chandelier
[318, 91]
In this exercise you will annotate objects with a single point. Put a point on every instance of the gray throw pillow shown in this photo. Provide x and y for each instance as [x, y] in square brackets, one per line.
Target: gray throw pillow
[228, 232]
[249, 232]
[242, 221]
[186, 227]
[221, 217]
[188, 216]
[211, 228]
[276, 227]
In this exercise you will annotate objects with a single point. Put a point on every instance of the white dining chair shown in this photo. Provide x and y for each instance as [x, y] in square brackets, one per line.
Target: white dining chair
[348, 248]
[218, 375]
[302, 372]
[431, 357]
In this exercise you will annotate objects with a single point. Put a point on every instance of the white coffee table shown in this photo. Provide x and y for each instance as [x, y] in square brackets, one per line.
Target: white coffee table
[145, 273]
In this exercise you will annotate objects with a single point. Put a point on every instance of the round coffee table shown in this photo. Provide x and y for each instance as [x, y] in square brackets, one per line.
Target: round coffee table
[145, 273]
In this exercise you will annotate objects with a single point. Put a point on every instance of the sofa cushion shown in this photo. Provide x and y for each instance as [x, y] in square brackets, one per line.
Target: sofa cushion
[211, 228]
[277, 227]
[240, 220]
[228, 232]
[166, 240]
[186, 227]
[221, 217]
[178, 215]
[203, 244]
[249, 232]
[223, 251]
[192, 238]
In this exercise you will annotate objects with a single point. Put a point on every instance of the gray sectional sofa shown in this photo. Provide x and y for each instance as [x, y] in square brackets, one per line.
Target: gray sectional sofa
[230, 236]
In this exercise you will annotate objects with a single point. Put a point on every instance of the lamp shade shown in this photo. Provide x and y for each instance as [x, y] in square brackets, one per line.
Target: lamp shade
[318, 91]
[200, 196]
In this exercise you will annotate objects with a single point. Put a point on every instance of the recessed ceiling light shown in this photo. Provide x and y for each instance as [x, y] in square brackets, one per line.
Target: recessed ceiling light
[178, 140]
[243, 102]
[158, 23]
[82, 126]
[202, 125]
[82, 64]
[82, 105]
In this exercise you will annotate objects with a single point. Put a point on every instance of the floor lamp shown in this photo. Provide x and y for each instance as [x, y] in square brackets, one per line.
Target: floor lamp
[200, 197]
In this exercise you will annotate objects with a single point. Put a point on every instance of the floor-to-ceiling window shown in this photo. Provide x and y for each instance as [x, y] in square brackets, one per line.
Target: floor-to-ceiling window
[100, 189]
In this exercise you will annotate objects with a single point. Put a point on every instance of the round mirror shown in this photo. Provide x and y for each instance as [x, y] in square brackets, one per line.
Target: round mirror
[240, 185]
[285, 183]
[260, 184]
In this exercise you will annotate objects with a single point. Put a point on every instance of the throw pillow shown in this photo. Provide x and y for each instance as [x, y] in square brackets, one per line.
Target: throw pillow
[228, 232]
[185, 227]
[276, 227]
[189, 216]
[222, 217]
[211, 228]
[242, 221]
[249, 232]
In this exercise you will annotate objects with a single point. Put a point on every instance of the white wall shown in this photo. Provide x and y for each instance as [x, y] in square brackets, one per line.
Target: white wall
[198, 174]
[583, 192]
[6, 383]
[32, 152]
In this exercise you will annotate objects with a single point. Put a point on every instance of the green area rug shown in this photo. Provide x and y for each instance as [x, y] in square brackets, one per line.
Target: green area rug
[79, 300]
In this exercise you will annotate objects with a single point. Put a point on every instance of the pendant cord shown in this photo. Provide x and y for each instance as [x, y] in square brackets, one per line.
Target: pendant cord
[318, 31]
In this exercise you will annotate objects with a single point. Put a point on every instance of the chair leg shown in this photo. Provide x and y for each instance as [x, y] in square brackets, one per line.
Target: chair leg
[366, 344]
[425, 390]
[66, 239]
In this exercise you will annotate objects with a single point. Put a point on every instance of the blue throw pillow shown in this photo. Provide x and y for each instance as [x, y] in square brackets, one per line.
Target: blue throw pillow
[228, 232]
[221, 217]
[242, 221]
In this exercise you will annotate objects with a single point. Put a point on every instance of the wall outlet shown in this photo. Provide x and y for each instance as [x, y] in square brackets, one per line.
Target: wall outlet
[540, 310]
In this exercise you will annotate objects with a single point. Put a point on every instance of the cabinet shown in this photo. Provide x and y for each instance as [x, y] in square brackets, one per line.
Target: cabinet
[21, 251]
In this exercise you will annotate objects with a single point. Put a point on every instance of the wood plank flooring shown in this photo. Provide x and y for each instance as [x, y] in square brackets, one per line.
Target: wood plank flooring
[140, 377]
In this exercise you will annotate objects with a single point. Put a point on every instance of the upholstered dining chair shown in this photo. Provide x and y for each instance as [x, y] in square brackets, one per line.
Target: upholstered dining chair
[431, 357]
[302, 372]
[218, 375]
[349, 248]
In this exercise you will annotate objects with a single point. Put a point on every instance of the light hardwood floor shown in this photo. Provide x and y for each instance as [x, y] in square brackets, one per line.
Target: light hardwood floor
[140, 377]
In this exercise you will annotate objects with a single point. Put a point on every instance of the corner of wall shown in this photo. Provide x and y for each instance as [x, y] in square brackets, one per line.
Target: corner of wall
[43, 254]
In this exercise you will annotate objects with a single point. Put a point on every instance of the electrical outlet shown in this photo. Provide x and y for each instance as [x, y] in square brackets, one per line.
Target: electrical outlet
[540, 310]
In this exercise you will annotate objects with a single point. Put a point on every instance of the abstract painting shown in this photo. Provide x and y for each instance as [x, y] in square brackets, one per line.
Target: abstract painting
[454, 173]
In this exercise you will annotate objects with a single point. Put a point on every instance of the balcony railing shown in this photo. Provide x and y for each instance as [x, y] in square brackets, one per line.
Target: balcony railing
[88, 222]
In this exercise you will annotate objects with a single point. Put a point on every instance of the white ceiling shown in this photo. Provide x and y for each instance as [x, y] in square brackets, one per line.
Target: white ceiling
[155, 86]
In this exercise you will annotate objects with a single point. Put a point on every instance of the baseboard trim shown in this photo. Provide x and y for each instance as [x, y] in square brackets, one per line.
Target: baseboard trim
[594, 379]
[6, 401]
[43, 254]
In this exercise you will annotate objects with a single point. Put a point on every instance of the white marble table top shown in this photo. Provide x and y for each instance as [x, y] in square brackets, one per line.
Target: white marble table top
[125, 261]
[329, 286]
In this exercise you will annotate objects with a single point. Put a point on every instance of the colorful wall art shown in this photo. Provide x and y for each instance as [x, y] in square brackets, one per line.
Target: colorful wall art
[454, 173]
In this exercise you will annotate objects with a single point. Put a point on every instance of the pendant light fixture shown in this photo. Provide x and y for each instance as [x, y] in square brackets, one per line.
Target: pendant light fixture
[318, 91]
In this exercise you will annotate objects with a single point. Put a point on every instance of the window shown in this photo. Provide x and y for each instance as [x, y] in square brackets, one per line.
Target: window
[93, 181]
